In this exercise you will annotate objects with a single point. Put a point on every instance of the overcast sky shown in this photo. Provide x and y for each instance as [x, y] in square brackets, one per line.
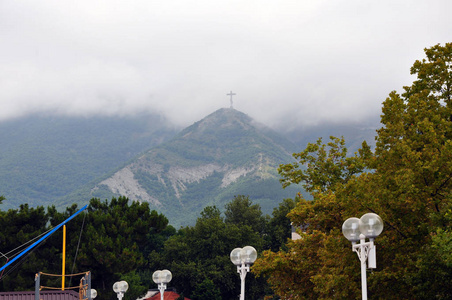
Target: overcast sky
[290, 63]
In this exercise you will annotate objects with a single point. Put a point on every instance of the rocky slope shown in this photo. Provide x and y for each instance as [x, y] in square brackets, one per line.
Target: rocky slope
[208, 163]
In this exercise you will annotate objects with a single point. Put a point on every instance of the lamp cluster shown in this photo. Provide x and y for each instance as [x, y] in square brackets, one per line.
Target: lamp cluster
[162, 278]
[370, 225]
[357, 230]
[246, 255]
[243, 258]
[120, 288]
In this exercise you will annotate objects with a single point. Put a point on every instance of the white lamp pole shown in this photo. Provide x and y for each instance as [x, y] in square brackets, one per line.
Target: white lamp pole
[368, 226]
[243, 258]
[120, 288]
[162, 278]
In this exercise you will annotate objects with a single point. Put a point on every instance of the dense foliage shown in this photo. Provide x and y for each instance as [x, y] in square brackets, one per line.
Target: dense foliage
[111, 239]
[406, 180]
[123, 240]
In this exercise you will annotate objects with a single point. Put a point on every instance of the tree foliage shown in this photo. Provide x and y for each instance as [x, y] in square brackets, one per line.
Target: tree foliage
[115, 237]
[199, 255]
[124, 240]
[407, 180]
[325, 165]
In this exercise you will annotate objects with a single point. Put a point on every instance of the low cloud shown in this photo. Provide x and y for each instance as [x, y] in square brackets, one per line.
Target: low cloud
[291, 63]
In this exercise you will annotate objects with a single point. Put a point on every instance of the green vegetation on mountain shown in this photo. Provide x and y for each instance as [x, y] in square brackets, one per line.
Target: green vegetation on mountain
[45, 158]
[223, 155]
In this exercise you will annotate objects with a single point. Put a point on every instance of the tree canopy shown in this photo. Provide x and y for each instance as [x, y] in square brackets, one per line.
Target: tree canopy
[116, 237]
[407, 180]
[125, 240]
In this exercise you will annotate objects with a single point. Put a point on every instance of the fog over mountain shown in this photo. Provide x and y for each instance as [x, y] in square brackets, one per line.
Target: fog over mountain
[292, 64]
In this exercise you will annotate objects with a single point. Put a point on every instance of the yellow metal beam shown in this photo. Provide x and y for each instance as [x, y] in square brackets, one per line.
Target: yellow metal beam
[64, 258]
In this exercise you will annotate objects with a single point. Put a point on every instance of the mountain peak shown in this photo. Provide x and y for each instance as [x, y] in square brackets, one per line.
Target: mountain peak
[225, 154]
[224, 118]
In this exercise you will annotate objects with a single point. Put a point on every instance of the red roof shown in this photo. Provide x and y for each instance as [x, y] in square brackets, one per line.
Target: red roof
[166, 296]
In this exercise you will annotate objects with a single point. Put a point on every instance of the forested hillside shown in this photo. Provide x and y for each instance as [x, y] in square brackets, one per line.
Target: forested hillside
[225, 154]
[43, 158]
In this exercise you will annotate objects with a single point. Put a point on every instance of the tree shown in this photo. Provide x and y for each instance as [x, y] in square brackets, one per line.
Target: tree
[241, 211]
[279, 227]
[199, 255]
[206, 290]
[324, 168]
[17, 228]
[407, 181]
[115, 239]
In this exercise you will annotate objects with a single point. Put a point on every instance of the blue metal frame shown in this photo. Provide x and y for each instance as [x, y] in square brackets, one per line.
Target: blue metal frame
[43, 238]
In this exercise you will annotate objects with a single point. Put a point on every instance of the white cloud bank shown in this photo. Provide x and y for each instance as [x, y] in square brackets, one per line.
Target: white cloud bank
[291, 63]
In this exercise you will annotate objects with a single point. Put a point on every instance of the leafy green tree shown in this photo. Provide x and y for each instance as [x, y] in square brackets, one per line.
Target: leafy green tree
[325, 165]
[136, 287]
[206, 290]
[200, 254]
[19, 228]
[407, 181]
[241, 211]
[110, 239]
[115, 237]
[279, 227]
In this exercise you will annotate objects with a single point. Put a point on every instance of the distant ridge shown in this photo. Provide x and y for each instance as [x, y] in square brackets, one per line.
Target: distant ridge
[44, 158]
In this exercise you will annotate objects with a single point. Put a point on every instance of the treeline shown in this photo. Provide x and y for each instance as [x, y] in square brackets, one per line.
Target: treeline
[125, 240]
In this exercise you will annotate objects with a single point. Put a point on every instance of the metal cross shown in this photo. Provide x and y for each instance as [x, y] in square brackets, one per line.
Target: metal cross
[231, 94]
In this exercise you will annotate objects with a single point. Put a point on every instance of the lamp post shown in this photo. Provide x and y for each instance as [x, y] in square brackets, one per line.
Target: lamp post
[368, 226]
[120, 288]
[162, 278]
[243, 258]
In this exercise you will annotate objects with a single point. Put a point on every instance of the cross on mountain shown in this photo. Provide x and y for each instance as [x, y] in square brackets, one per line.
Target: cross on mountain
[231, 94]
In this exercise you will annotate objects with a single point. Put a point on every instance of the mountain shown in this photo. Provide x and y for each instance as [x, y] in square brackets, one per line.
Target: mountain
[208, 163]
[55, 160]
[45, 158]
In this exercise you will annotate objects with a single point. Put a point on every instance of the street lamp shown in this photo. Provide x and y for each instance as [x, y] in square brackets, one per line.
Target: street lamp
[243, 258]
[162, 278]
[368, 226]
[120, 288]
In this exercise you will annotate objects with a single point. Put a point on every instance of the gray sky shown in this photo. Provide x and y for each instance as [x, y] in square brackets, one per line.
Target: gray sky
[291, 63]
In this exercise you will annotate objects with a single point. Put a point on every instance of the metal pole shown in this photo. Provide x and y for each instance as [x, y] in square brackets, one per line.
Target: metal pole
[242, 288]
[363, 259]
[63, 271]
[88, 279]
[37, 285]
[162, 288]
[243, 269]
